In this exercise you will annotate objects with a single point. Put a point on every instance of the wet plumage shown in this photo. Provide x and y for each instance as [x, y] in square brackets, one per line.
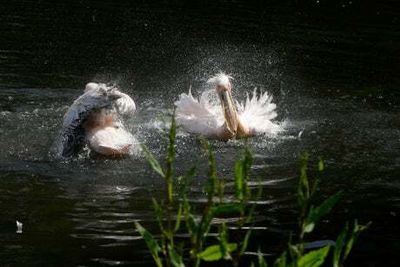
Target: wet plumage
[228, 119]
[95, 119]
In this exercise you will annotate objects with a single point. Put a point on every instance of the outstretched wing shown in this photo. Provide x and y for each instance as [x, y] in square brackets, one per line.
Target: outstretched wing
[196, 117]
[72, 134]
[258, 112]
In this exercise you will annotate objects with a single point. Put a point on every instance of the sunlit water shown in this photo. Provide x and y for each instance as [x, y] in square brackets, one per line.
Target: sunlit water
[334, 96]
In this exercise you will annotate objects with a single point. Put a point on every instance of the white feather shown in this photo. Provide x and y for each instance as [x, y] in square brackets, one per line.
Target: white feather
[125, 105]
[116, 138]
[220, 79]
[198, 117]
[91, 86]
[257, 113]
[205, 117]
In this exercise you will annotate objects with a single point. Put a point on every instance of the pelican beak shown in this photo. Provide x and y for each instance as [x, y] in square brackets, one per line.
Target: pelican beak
[228, 107]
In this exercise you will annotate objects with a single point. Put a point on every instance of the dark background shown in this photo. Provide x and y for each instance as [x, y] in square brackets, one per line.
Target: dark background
[332, 63]
[62, 44]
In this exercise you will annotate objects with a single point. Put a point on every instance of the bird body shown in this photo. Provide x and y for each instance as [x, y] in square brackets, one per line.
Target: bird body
[95, 119]
[229, 119]
[106, 135]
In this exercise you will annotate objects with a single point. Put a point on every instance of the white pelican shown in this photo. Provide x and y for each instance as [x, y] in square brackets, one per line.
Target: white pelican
[95, 119]
[230, 119]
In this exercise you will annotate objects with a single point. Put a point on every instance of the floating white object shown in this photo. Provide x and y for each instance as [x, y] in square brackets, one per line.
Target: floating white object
[19, 227]
[300, 134]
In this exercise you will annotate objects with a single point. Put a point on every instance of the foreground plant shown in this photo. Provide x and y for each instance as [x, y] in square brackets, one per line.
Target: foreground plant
[309, 215]
[175, 214]
[176, 208]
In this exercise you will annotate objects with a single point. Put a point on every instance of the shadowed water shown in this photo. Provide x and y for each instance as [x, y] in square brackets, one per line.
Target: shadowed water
[331, 68]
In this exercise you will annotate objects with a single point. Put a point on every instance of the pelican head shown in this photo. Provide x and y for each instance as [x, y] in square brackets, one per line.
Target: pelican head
[223, 88]
[102, 92]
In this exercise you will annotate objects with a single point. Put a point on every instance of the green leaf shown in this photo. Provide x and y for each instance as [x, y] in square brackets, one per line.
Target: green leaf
[303, 190]
[212, 171]
[321, 165]
[191, 225]
[170, 160]
[245, 242]
[239, 180]
[261, 260]
[339, 244]
[316, 213]
[205, 222]
[357, 229]
[151, 242]
[295, 251]
[175, 258]
[172, 137]
[242, 171]
[247, 162]
[178, 217]
[314, 258]
[159, 214]
[214, 253]
[281, 261]
[346, 240]
[309, 227]
[223, 242]
[152, 161]
[185, 181]
[190, 221]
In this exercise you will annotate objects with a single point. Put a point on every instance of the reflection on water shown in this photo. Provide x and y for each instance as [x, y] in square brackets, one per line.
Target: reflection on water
[332, 77]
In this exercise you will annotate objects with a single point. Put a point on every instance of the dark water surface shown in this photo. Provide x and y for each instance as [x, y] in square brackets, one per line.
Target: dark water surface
[332, 67]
